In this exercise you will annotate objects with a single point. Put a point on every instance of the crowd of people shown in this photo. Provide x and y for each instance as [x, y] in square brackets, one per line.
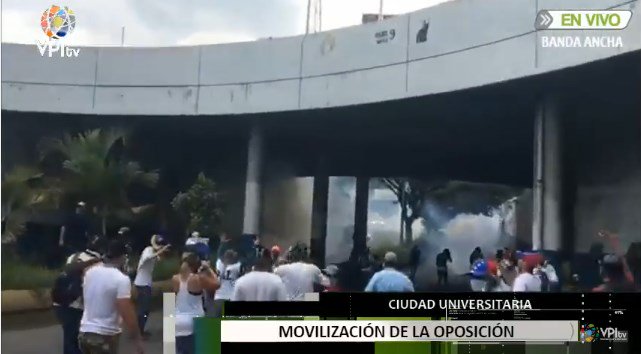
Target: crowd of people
[93, 297]
[515, 271]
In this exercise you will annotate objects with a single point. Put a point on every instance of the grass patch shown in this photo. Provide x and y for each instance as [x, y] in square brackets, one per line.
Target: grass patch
[20, 276]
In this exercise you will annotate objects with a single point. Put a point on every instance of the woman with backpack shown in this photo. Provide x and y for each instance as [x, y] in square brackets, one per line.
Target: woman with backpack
[66, 293]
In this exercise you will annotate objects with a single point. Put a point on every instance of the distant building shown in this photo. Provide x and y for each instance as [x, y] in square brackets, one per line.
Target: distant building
[374, 17]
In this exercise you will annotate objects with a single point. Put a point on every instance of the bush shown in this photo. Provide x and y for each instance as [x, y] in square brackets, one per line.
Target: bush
[21, 276]
[17, 275]
[166, 268]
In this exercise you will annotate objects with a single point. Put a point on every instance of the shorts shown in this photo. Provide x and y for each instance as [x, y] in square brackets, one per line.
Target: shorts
[92, 343]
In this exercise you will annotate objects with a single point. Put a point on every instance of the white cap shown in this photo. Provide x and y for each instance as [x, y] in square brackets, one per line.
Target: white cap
[390, 257]
[81, 203]
[195, 234]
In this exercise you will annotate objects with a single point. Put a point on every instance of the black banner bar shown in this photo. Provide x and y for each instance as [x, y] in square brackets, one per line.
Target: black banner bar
[409, 304]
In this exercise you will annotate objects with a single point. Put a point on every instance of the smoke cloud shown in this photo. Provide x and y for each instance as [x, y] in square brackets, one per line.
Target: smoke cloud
[460, 232]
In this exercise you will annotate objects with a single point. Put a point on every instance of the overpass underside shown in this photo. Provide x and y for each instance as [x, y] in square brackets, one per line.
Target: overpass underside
[573, 136]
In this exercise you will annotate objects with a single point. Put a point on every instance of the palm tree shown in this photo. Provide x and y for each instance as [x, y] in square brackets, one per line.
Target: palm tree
[95, 170]
[20, 196]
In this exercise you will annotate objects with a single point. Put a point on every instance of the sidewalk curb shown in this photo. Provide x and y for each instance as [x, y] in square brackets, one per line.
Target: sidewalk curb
[37, 300]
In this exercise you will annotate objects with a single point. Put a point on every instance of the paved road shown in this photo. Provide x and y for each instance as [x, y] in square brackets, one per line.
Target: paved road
[48, 339]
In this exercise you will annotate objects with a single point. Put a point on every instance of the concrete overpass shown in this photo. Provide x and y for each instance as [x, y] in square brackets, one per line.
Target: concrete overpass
[479, 99]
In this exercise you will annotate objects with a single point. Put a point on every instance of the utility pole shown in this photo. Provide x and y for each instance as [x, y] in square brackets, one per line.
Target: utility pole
[122, 37]
[309, 8]
[401, 200]
[315, 20]
[380, 11]
[320, 15]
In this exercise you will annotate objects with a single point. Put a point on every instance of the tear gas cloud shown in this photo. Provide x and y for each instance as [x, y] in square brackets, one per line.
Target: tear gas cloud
[460, 232]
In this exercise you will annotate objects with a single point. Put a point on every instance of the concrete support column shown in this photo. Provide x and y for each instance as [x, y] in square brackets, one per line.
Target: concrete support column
[360, 216]
[319, 214]
[251, 215]
[547, 227]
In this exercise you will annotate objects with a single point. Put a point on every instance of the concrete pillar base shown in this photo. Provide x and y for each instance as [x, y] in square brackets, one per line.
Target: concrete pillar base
[319, 218]
[360, 217]
[547, 226]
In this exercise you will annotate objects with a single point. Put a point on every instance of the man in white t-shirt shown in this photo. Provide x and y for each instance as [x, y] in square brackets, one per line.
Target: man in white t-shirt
[260, 284]
[526, 281]
[144, 278]
[300, 276]
[70, 314]
[107, 299]
[229, 271]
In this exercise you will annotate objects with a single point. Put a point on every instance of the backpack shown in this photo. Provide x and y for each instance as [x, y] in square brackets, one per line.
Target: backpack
[67, 287]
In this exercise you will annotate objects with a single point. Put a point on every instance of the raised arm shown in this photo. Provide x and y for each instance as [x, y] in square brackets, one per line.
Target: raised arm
[616, 246]
[208, 278]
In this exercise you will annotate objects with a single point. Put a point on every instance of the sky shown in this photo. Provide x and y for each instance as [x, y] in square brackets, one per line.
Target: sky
[172, 23]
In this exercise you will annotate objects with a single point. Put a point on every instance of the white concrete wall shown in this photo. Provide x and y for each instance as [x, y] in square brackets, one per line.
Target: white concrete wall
[469, 43]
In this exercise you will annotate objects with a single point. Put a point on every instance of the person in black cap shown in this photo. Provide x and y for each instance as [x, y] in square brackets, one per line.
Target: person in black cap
[74, 234]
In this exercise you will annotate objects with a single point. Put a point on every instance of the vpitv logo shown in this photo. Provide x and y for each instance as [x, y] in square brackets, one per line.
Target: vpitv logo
[57, 22]
[590, 333]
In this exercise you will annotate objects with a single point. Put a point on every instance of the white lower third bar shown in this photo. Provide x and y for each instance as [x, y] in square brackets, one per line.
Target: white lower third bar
[400, 331]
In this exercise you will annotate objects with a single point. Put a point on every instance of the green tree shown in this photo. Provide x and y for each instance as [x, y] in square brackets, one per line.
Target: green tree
[411, 194]
[96, 171]
[21, 195]
[201, 206]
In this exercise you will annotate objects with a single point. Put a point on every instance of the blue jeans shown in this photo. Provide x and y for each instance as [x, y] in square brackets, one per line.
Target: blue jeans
[143, 305]
[185, 344]
[69, 318]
